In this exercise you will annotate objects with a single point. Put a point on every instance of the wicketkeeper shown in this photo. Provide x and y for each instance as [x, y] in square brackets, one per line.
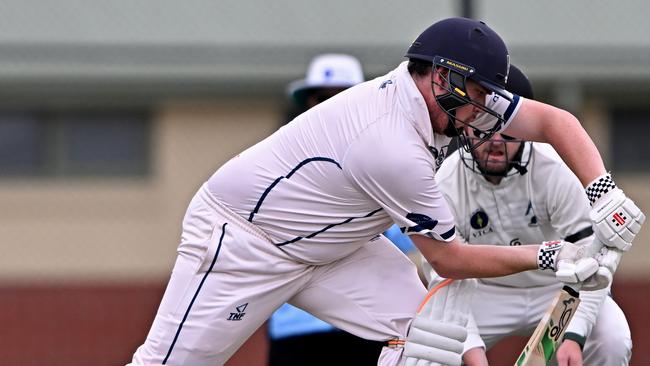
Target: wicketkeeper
[511, 192]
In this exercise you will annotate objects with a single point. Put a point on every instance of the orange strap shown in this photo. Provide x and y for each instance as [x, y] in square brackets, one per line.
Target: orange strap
[396, 342]
[435, 289]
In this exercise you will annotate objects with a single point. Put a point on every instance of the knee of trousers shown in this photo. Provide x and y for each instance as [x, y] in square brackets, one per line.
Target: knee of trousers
[615, 351]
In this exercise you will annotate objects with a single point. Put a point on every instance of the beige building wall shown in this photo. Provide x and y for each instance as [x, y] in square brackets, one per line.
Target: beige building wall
[112, 229]
[595, 119]
[115, 229]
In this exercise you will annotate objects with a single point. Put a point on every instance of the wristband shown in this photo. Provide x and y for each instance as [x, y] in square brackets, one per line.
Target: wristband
[547, 254]
[576, 338]
[599, 187]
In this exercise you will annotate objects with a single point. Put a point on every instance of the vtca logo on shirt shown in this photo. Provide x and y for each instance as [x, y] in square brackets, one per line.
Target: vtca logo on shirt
[479, 221]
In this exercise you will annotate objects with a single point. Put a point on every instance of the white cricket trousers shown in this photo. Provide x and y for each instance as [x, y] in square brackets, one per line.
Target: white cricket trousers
[229, 278]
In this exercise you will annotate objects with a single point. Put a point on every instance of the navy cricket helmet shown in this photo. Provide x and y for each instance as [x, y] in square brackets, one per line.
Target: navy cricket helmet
[469, 50]
[519, 84]
[517, 160]
[468, 46]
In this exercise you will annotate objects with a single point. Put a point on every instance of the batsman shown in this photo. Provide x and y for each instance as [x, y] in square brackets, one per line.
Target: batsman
[298, 216]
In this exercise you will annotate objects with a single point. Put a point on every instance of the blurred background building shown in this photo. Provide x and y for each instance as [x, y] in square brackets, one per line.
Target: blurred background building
[112, 113]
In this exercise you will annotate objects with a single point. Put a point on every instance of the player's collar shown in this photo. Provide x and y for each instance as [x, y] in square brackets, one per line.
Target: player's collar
[413, 103]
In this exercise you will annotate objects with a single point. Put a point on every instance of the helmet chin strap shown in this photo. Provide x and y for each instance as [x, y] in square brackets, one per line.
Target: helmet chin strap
[515, 163]
[452, 100]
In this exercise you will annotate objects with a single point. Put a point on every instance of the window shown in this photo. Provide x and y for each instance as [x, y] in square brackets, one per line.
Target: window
[83, 143]
[629, 130]
[21, 144]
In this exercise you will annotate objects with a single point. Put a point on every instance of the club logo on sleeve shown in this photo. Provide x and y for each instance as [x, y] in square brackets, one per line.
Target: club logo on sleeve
[422, 222]
[479, 221]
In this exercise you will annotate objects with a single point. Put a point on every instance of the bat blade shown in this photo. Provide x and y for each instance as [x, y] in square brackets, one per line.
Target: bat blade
[549, 332]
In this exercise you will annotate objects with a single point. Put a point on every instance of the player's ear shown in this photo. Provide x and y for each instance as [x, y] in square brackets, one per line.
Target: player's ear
[440, 75]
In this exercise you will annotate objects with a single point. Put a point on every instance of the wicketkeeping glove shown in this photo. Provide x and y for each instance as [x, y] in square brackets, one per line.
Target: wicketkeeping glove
[438, 329]
[616, 219]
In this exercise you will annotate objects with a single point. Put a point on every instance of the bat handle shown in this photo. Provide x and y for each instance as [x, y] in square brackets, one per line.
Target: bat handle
[573, 289]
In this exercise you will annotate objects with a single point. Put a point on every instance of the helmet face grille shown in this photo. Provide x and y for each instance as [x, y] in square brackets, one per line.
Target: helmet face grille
[514, 157]
[486, 123]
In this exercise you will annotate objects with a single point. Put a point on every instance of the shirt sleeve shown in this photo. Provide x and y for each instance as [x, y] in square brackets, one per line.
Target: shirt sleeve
[395, 169]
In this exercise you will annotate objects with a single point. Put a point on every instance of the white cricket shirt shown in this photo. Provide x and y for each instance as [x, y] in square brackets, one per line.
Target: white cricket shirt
[546, 203]
[342, 172]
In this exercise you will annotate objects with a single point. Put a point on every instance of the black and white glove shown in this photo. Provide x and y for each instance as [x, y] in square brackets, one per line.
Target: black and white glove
[616, 219]
[438, 330]
[574, 264]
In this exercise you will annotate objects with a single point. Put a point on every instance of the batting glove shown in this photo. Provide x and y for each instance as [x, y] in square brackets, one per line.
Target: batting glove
[572, 263]
[438, 330]
[598, 281]
[615, 218]
[610, 258]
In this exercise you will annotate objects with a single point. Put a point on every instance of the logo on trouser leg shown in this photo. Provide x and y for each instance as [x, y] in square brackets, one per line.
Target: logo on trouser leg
[239, 312]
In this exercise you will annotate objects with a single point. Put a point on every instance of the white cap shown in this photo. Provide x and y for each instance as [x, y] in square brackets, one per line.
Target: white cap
[327, 71]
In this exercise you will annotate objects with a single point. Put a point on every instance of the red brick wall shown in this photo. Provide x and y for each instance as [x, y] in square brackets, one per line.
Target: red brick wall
[103, 325]
[85, 325]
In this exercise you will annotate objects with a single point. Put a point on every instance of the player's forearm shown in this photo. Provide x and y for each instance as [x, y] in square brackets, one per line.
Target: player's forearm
[541, 122]
[479, 261]
[457, 261]
[475, 357]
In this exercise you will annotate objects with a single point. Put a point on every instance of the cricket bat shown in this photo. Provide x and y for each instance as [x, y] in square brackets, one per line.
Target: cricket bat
[549, 332]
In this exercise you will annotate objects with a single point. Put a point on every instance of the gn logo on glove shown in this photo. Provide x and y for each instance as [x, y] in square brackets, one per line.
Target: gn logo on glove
[551, 246]
[619, 219]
